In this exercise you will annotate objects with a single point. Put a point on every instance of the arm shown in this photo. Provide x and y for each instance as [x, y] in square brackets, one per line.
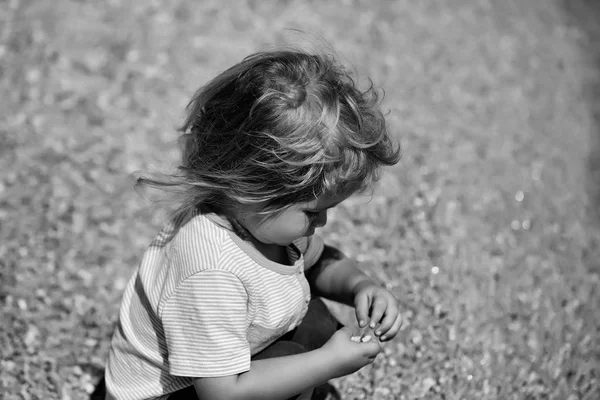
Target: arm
[271, 379]
[336, 277]
[284, 377]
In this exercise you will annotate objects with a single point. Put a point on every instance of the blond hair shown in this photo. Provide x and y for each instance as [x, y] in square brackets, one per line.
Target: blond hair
[278, 128]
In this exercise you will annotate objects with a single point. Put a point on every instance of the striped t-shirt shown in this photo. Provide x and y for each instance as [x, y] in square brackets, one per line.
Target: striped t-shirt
[200, 304]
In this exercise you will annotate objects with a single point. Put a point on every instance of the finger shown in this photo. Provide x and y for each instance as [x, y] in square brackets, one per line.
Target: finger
[386, 323]
[372, 348]
[362, 310]
[394, 329]
[348, 331]
[377, 310]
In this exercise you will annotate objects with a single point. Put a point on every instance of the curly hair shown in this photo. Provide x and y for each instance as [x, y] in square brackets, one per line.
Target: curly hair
[278, 128]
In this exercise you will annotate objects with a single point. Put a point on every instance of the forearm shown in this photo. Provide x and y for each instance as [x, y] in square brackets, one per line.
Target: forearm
[336, 277]
[284, 377]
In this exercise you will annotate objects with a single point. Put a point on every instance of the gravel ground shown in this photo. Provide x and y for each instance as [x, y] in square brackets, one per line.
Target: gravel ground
[488, 229]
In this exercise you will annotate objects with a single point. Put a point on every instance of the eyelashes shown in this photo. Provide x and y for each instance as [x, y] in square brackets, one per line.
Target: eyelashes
[311, 214]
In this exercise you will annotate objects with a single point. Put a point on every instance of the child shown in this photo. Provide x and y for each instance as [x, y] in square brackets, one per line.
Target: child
[219, 306]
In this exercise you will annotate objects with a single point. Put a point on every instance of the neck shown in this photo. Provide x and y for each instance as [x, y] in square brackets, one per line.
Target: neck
[271, 251]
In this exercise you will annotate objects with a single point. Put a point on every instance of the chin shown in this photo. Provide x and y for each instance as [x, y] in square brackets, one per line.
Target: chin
[282, 242]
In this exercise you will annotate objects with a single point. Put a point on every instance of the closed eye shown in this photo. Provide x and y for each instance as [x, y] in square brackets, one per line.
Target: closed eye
[311, 214]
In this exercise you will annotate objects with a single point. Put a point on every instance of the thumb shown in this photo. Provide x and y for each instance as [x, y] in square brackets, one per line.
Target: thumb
[346, 331]
[372, 348]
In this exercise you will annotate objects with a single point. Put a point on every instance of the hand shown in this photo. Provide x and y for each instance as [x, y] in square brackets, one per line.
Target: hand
[350, 356]
[384, 318]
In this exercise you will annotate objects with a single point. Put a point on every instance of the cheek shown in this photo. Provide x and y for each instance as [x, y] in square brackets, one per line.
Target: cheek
[286, 228]
[290, 228]
[306, 222]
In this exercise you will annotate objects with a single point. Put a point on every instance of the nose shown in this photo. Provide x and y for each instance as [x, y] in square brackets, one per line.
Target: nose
[321, 219]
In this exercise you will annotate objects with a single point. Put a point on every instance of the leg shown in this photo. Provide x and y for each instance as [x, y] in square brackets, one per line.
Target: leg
[188, 393]
[281, 348]
[317, 326]
[315, 330]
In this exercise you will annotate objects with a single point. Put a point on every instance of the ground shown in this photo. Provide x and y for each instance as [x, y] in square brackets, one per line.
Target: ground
[487, 230]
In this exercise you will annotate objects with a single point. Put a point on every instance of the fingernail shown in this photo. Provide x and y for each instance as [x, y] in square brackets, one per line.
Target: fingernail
[361, 323]
[378, 333]
[383, 337]
[372, 325]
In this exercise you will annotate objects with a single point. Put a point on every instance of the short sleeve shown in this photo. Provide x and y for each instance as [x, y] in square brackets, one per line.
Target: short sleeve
[312, 248]
[204, 323]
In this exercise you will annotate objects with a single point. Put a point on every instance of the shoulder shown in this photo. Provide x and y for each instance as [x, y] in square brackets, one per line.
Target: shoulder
[211, 283]
[199, 229]
[204, 243]
[199, 239]
[195, 244]
[215, 291]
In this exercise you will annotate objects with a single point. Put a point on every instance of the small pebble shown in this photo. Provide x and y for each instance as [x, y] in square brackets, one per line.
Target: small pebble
[355, 338]
[89, 387]
[519, 196]
[365, 338]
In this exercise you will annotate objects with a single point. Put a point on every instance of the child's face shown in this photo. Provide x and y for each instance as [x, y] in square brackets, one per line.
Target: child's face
[293, 223]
